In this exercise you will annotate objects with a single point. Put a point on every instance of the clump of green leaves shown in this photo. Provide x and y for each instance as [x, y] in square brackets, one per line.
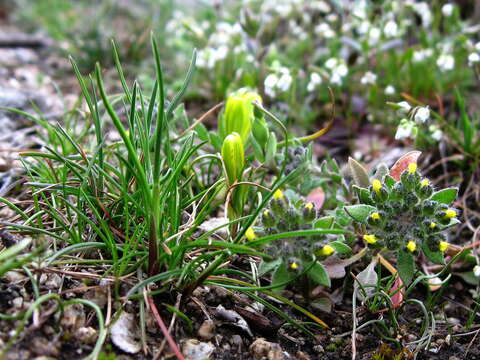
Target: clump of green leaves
[404, 214]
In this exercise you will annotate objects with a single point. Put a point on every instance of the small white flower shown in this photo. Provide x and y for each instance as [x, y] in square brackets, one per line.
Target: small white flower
[477, 46]
[336, 79]
[374, 35]
[447, 9]
[331, 63]
[270, 83]
[324, 30]
[476, 271]
[363, 27]
[445, 62]
[341, 70]
[422, 114]
[368, 78]
[390, 29]
[435, 132]
[473, 58]
[284, 81]
[220, 53]
[315, 80]
[405, 107]
[420, 55]
[389, 90]
[406, 129]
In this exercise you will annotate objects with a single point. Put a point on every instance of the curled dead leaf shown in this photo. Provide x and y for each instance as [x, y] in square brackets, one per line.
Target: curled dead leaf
[402, 163]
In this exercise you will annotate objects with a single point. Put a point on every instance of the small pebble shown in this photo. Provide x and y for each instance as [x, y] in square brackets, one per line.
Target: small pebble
[206, 330]
[237, 341]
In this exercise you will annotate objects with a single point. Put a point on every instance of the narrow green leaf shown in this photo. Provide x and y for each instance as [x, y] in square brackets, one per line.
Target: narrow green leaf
[466, 122]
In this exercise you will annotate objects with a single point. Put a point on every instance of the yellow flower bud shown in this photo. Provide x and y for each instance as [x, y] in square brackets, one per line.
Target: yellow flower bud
[266, 212]
[370, 238]
[433, 225]
[412, 168]
[233, 157]
[424, 182]
[250, 234]
[309, 206]
[278, 194]
[450, 213]
[294, 266]
[443, 246]
[376, 185]
[411, 246]
[327, 250]
[375, 216]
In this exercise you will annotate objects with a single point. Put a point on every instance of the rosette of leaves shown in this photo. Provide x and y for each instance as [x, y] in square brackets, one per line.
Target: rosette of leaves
[298, 256]
[401, 211]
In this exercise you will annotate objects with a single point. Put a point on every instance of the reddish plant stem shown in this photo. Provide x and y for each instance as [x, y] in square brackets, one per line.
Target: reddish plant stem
[164, 329]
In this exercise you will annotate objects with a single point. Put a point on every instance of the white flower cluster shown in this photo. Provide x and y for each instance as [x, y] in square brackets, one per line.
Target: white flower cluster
[369, 78]
[338, 70]
[446, 62]
[219, 45]
[315, 81]
[279, 81]
[474, 56]
[408, 127]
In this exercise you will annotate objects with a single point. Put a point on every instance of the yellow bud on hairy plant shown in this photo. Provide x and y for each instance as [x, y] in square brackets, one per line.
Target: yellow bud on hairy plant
[412, 168]
[294, 266]
[411, 246]
[278, 194]
[450, 213]
[238, 114]
[424, 182]
[375, 216]
[309, 206]
[327, 250]
[443, 246]
[370, 238]
[233, 157]
[433, 225]
[376, 185]
[250, 234]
